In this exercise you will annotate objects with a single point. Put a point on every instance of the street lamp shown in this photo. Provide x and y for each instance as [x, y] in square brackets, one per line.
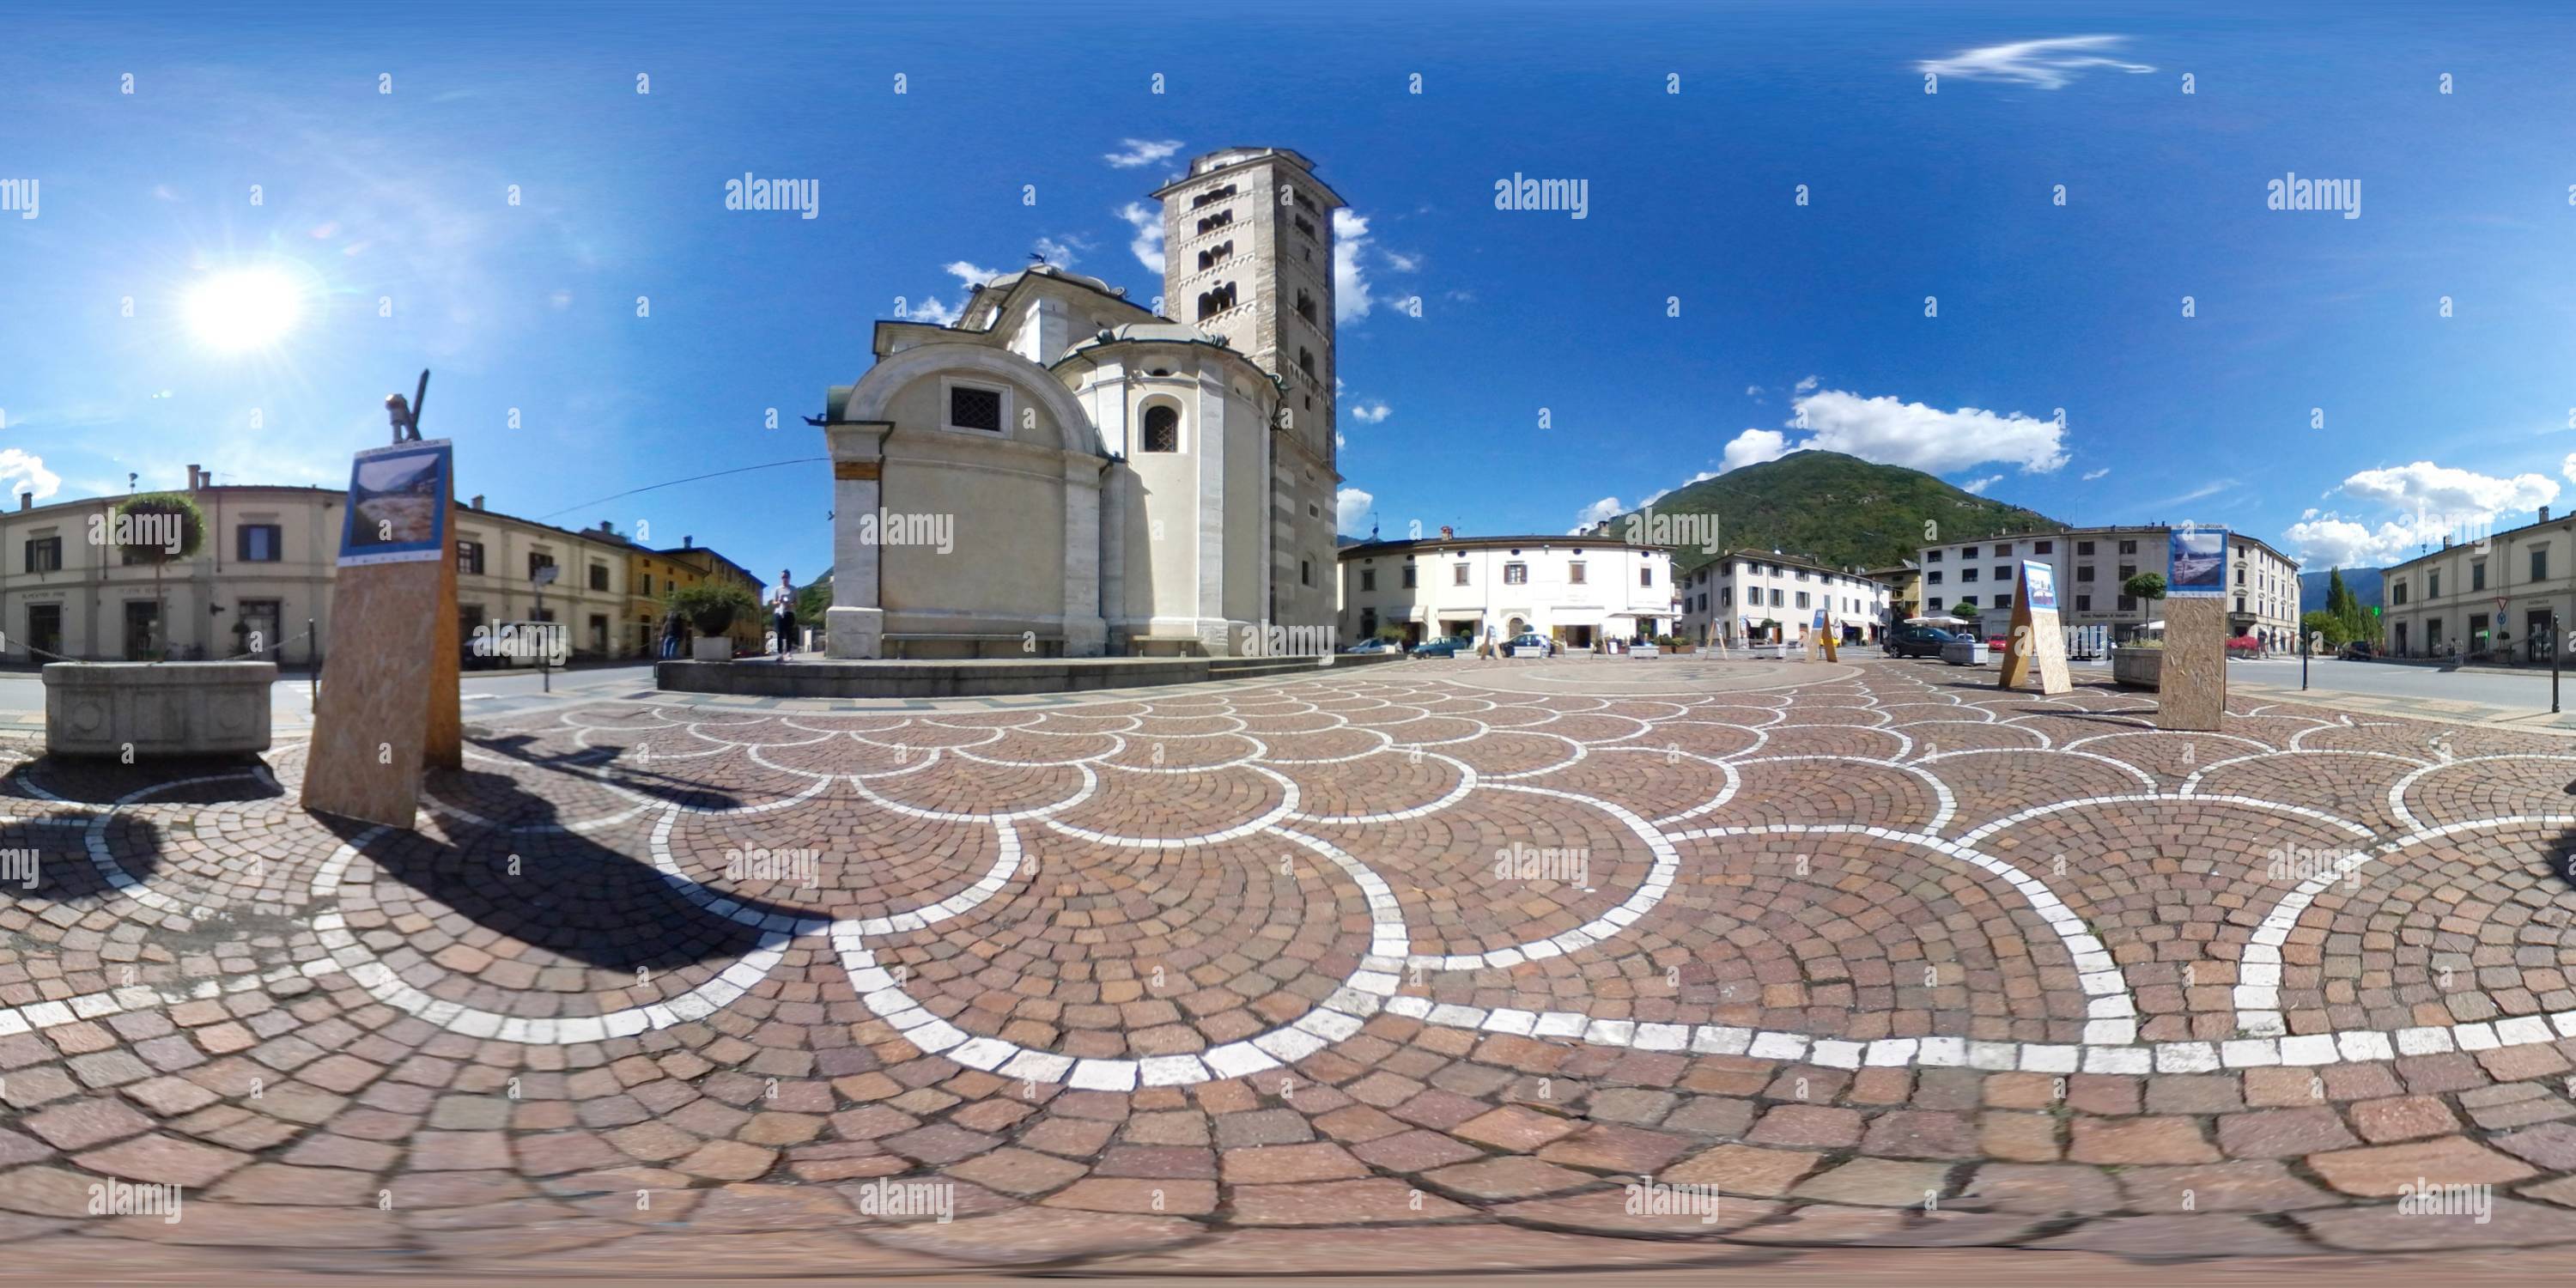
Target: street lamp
[545, 652]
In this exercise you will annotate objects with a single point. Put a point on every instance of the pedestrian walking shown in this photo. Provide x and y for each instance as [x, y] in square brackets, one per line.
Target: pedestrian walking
[782, 614]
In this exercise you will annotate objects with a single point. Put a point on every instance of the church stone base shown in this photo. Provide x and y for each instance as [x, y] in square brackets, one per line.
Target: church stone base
[971, 678]
[853, 633]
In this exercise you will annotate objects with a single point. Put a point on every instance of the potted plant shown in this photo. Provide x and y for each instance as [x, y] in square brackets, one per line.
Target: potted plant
[160, 529]
[711, 609]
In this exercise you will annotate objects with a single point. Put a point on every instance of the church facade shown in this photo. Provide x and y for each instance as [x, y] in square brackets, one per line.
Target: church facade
[1066, 472]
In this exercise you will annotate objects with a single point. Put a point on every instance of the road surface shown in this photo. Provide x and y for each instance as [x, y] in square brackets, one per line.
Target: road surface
[484, 693]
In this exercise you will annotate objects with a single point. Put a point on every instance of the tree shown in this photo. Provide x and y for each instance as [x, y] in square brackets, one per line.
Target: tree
[712, 607]
[2318, 623]
[2146, 585]
[1964, 607]
[160, 529]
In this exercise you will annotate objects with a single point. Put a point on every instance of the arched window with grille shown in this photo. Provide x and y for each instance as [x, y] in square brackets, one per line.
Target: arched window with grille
[1162, 430]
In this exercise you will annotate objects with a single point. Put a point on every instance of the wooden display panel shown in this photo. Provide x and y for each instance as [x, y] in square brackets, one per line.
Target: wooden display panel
[388, 706]
[2036, 647]
[2191, 688]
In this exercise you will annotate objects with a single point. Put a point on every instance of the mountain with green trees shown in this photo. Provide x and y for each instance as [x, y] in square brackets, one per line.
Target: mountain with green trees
[2344, 619]
[1833, 508]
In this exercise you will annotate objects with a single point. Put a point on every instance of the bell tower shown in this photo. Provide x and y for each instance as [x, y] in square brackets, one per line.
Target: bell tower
[1248, 257]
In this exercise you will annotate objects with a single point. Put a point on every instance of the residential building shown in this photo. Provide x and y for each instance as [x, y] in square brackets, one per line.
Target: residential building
[1577, 591]
[1904, 584]
[654, 575]
[265, 570]
[1754, 596]
[2492, 594]
[2091, 565]
[1068, 471]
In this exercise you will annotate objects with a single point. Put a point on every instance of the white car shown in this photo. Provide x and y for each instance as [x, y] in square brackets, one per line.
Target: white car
[1374, 646]
[1528, 642]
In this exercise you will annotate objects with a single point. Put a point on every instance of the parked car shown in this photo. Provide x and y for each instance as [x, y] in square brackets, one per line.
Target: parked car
[1373, 646]
[1527, 642]
[1918, 641]
[1446, 646]
[2358, 651]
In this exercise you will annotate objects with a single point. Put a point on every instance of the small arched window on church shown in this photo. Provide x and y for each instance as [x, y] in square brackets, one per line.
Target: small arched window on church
[1162, 430]
[1306, 362]
[1305, 305]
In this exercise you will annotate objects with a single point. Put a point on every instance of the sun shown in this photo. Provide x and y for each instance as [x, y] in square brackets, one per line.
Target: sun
[244, 309]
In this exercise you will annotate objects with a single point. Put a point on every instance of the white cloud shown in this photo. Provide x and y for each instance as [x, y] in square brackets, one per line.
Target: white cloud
[26, 472]
[1401, 262]
[1350, 281]
[1978, 488]
[1807, 384]
[1370, 413]
[1752, 447]
[1148, 225]
[1660, 495]
[1936, 442]
[1606, 508]
[2432, 502]
[1339, 442]
[1753, 391]
[968, 273]
[2568, 466]
[2042, 64]
[1351, 508]
[2330, 540]
[1060, 251]
[1141, 152]
[2090, 475]
[930, 310]
[2426, 486]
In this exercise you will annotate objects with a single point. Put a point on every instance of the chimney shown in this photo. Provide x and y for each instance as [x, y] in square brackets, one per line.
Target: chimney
[2544, 514]
[196, 479]
[26, 500]
[688, 543]
[607, 527]
[478, 501]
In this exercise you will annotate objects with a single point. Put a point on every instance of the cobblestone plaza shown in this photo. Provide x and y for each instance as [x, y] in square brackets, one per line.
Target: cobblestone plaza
[1180, 981]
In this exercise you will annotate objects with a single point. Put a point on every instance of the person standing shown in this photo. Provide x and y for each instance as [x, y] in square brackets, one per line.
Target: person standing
[671, 632]
[782, 614]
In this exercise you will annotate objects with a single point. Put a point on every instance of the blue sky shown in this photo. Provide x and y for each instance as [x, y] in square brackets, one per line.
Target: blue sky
[371, 200]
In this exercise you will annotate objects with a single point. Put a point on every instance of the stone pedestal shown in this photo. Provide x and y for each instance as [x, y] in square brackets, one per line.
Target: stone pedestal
[711, 648]
[853, 633]
[2191, 689]
[157, 708]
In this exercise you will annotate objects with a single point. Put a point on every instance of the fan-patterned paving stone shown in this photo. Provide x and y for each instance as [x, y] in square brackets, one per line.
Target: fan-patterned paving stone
[1776, 791]
[1502, 867]
[2171, 883]
[2346, 784]
[2496, 786]
[951, 783]
[1109, 951]
[1868, 741]
[1379, 784]
[1834, 935]
[1143, 750]
[1652, 782]
[1823, 1024]
[861, 859]
[2474, 927]
[1700, 733]
[1175, 808]
[1993, 784]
